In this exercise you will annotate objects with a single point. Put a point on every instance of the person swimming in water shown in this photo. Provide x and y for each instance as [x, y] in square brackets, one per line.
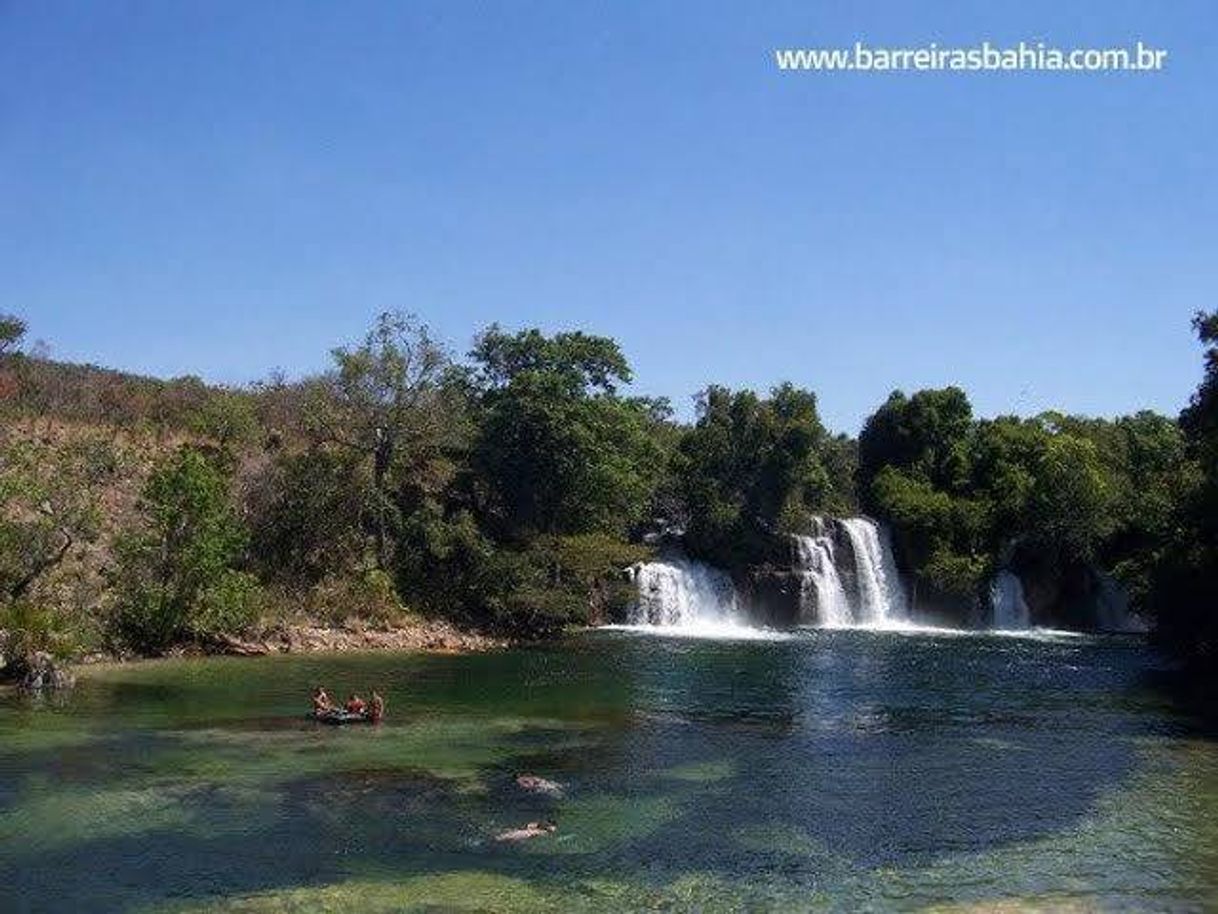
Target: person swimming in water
[376, 707]
[531, 830]
[538, 784]
[321, 701]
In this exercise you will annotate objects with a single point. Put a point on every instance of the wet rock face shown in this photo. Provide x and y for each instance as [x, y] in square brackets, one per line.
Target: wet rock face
[941, 607]
[1073, 595]
[773, 597]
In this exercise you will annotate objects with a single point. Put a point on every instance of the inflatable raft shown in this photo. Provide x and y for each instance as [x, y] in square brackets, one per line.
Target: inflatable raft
[338, 717]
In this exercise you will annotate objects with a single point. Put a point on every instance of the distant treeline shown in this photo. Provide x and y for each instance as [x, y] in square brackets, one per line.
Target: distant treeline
[506, 490]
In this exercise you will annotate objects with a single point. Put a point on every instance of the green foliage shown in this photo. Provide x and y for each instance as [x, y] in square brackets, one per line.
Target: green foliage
[1070, 508]
[30, 627]
[955, 574]
[942, 534]
[48, 506]
[926, 434]
[367, 595]
[227, 417]
[557, 581]
[178, 577]
[12, 331]
[506, 493]
[750, 468]
[1182, 578]
[582, 363]
[561, 453]
[306, 516]
[389, 404]
[530, 589]
[961, 494]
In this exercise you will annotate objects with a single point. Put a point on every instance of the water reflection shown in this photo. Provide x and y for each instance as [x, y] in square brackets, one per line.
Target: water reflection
[837, 765]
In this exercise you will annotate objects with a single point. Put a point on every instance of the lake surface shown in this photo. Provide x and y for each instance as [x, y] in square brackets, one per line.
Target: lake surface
[829, 770]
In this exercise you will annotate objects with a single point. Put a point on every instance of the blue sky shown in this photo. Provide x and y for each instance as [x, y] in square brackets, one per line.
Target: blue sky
[227, 188]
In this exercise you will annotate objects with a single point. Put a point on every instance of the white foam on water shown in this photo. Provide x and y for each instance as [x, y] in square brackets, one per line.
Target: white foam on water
[680, 598]
[894, 627]
[680, 593]
[708, 630]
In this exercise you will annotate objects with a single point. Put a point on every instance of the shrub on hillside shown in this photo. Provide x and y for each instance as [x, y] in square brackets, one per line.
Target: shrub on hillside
[177, 577]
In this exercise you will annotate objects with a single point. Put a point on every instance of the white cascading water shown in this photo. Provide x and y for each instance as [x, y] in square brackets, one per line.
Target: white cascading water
[1007, 601]
[822, 596]
[682, 594]
[880, 594]
[878, 597]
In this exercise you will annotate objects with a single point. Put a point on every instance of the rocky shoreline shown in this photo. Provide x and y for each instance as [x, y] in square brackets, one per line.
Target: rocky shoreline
[438, 637]
[431, 636]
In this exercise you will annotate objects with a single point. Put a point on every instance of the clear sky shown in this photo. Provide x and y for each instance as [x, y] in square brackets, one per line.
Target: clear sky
[223, 188]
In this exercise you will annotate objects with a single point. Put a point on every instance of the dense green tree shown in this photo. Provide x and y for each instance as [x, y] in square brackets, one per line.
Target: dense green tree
[178, 576]
[559, 450]
[1063, 492]
[387, 403]
[1070, 508]
[508, 492]
[1184, 576]
[307, 516]
[577, 360]
[916, 456]
[752, 467]
[926, 434]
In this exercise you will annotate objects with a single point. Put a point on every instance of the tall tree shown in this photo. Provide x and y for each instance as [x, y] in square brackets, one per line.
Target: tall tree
[385, 401]
[1184, 578]
[178, 574]
[561, 451]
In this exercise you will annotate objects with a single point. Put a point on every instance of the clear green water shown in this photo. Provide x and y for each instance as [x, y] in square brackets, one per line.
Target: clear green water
[830, 771]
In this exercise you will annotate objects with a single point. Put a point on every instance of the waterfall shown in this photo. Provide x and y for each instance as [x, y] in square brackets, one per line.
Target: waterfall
[844, 573]
[1007, 602]
[876, 596]
[681, 593]
[880, 594]
[822, 597]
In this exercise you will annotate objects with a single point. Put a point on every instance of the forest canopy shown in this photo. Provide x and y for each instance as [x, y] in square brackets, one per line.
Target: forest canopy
[507, 489]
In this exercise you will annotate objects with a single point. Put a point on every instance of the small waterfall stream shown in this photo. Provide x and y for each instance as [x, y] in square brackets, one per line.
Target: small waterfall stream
[1010, 609]
[822, 595]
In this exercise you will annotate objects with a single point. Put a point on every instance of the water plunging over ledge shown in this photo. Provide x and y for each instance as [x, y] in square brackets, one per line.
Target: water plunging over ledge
[844, 568]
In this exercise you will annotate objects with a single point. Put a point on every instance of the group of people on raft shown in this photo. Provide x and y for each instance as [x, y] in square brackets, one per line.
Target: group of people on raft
[371, 710]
